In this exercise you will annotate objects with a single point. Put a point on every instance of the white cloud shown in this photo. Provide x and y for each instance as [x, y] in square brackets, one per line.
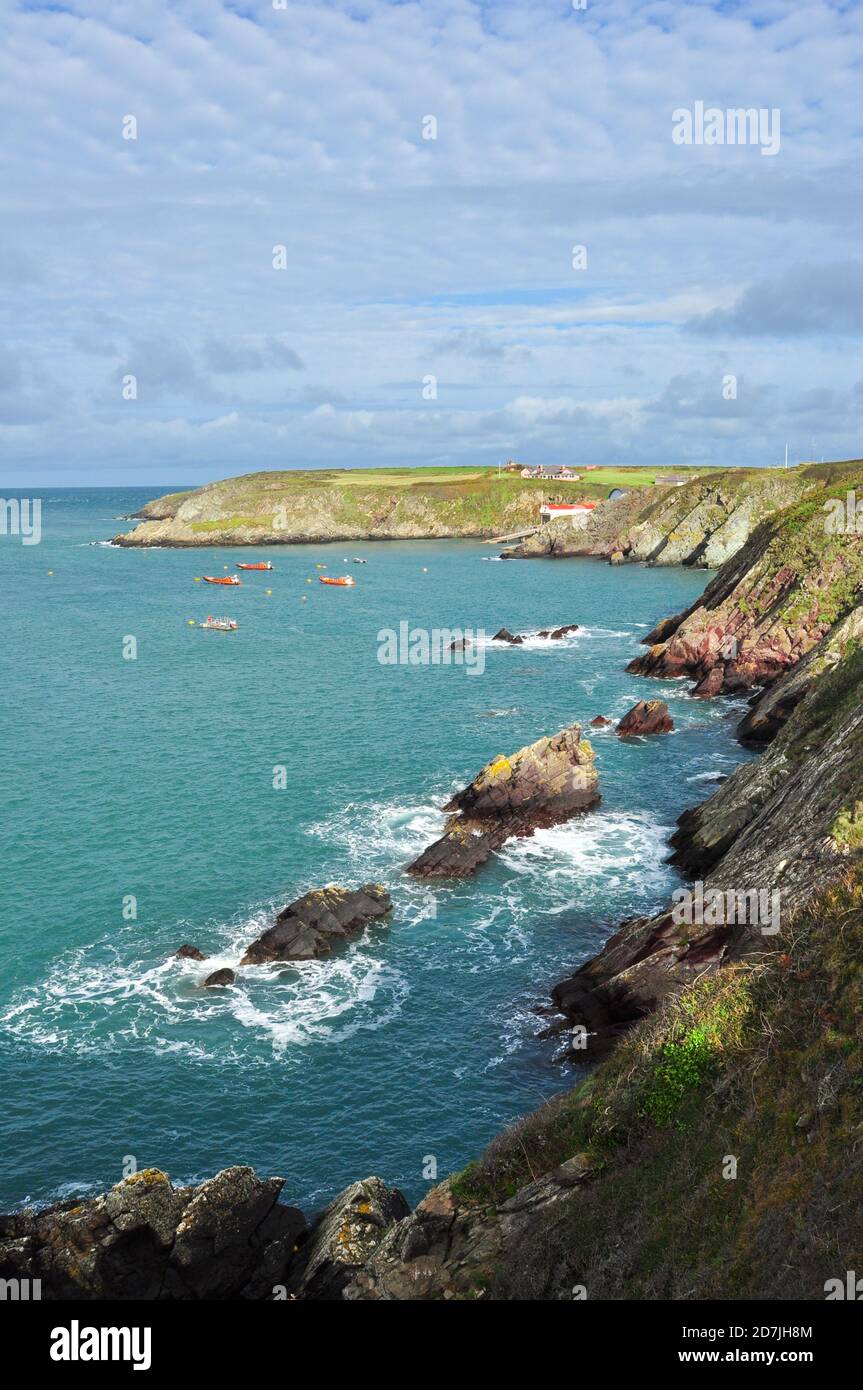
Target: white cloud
[408, 257]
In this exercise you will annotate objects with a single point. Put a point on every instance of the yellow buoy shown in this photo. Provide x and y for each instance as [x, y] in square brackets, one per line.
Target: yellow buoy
[197, 579]
[50, 571]
[191, 622]
[269, 591]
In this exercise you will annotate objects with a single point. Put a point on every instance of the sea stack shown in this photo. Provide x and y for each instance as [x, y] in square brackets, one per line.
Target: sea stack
[647, 717]
[543, 784]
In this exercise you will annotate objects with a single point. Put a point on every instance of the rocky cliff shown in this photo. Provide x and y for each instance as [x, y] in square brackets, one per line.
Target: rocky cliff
[294, 507]
[702, 523]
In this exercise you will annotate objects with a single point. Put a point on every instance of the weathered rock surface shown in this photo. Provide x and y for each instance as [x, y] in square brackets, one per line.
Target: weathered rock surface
[543, 784]
[309, 927]
[293, 507]
[219, 979]
[785, 824]
[599, 722]
[702, 523]
[762, 613]
[145, 1239]
[772, 709]
[551, 634]
[646, 717]
[187, 952]
[444, 1249]
[345, 1237]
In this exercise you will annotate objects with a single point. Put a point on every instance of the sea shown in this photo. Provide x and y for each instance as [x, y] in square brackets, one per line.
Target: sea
[161, 784]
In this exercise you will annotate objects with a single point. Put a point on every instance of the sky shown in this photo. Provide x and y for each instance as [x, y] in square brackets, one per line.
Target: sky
[343, 235]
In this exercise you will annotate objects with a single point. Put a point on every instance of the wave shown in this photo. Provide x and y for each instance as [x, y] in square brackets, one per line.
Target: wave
[96, 1007]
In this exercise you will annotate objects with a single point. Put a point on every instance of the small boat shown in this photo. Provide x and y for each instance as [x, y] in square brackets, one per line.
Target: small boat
[219, 624]
[346, 581]
[358, 561]
[265, 565]
[226, 579]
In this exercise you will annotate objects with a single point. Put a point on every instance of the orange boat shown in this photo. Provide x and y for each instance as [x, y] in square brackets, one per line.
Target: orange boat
[345, 582]
[227, 579]
[265, 566]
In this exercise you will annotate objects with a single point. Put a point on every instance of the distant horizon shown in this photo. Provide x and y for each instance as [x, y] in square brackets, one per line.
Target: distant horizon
[10, 489]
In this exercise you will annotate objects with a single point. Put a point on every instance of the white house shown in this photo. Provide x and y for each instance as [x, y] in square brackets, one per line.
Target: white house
[578, 512]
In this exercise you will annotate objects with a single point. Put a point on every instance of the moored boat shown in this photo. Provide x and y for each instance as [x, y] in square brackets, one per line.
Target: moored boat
[345, 581]
[218, 624]
[265, 565]
[226, 579]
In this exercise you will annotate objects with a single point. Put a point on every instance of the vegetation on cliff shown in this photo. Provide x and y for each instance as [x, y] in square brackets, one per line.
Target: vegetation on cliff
[275, 508]
[725, 1132]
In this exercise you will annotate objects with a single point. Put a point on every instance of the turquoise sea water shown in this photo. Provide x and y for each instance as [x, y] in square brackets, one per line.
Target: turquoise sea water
[154, 778]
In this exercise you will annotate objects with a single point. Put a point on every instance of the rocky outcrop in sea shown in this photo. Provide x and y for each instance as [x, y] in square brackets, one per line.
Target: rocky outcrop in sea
[541, 785]
[309, 927]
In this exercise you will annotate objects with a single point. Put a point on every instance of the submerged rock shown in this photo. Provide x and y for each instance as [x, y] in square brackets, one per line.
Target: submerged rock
[307, 928]
[646, 717]
[145, 1239]
[553, 634]
[599, 722]
[344, 1238]
[540, 785]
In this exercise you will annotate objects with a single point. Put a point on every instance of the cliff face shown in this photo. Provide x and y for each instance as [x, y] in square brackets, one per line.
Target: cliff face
[776, 600]
[715, 1152]
[702, 523]
[291, 508]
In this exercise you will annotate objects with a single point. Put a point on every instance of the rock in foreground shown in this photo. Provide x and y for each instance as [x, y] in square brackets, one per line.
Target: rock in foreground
[307, 928]
[647, 717]
[345, 1237]
[540, 785]
[145, 1239]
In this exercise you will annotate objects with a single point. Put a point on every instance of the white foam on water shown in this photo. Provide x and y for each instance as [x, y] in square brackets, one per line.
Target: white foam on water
[105, 999]
[532, 642]
[585, 858]
[94, 1002]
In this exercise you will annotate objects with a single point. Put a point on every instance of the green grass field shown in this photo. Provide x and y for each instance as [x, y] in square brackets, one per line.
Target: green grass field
[467, 477]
